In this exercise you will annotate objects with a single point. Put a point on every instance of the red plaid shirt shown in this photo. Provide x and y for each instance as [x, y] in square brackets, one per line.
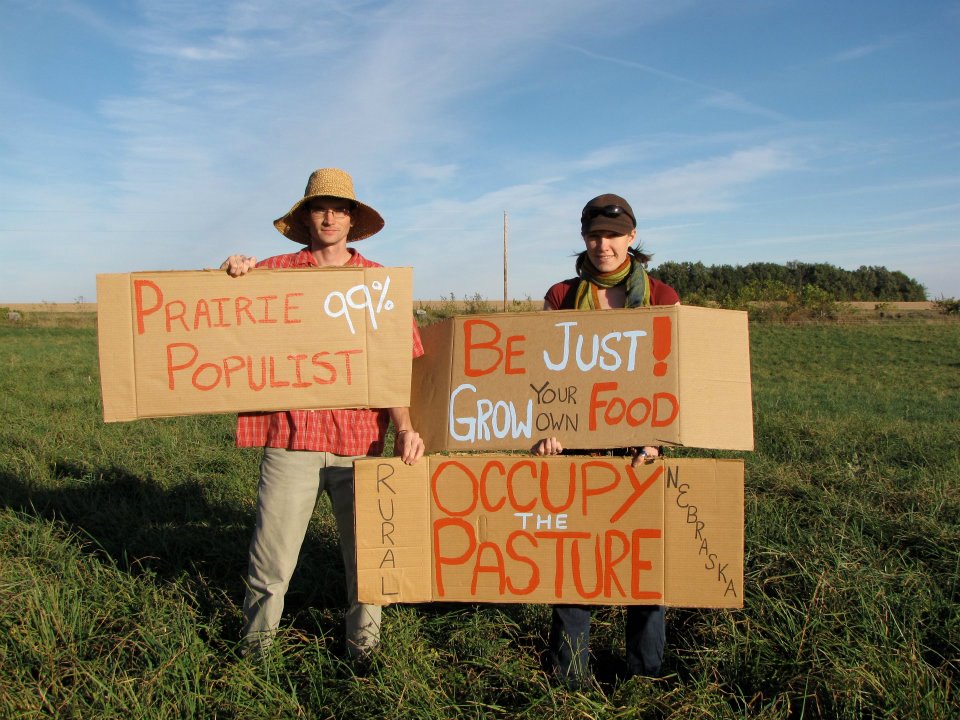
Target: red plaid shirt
[343, 432]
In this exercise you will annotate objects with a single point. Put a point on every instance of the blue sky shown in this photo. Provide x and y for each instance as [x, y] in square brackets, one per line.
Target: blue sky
[166, 134]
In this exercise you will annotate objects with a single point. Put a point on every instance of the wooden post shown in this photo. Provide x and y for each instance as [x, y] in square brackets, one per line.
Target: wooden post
[505, 261]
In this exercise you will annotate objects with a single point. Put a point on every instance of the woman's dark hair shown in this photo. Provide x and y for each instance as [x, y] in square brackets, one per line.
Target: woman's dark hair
[635, 252]
[640, 255]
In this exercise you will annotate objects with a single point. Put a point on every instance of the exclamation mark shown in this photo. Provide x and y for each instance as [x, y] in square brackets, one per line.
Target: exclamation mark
[662, 338]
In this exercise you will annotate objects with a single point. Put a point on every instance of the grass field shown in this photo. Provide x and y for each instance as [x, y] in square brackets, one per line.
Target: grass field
[122, 550]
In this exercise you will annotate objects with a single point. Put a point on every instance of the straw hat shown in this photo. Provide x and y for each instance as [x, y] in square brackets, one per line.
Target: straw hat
[329, 182]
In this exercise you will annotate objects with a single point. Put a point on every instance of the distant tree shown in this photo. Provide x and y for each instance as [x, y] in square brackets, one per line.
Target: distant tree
[765, 291]
[818, 303]
[730, 284]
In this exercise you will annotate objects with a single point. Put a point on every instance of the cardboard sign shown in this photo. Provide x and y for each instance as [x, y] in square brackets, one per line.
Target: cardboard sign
[677, 375]
[569, 529]
[182, 343]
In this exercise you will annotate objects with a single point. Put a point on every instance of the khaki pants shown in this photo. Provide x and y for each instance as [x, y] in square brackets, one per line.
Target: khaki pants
[290, 482]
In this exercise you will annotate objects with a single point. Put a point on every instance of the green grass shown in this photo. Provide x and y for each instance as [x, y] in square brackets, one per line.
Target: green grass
[123, 547]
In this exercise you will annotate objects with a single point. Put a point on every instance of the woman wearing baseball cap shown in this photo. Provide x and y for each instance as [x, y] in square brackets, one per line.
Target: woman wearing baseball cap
[611, 273]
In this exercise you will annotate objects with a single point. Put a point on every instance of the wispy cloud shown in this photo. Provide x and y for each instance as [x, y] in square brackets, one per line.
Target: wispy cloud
[860, 52]
[736, 103]
[712, 96]
[710, 185]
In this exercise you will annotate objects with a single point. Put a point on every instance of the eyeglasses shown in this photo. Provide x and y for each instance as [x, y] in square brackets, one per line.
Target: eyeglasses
[338, 212]
[610, 211]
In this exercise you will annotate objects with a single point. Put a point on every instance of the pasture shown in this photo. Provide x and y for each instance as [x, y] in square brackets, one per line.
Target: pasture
[123, 547]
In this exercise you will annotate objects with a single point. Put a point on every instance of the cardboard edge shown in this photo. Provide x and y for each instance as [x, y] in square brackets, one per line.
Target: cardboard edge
[431, 403]
[727, 474]
[116, 358]
[700, 393]
[741, 469]
[398, 383]
[388, 377]
[409, 589]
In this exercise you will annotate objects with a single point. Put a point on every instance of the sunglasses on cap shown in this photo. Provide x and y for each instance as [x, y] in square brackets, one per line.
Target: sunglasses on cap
[610, 211]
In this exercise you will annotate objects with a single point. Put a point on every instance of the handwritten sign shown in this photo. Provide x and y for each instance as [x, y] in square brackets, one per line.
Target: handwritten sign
[665, 375]
[569, 529]
[181, 343]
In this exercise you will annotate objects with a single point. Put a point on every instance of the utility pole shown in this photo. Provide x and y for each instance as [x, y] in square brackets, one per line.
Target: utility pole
[505, 261]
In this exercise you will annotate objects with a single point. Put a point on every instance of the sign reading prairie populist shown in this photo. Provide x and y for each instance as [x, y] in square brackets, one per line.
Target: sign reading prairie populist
[182, 343]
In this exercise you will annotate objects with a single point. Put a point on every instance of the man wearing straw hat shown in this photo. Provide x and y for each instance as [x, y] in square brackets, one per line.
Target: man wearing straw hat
[306, 452]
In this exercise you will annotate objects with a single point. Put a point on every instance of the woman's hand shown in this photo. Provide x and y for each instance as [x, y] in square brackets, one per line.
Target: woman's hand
[644, 455]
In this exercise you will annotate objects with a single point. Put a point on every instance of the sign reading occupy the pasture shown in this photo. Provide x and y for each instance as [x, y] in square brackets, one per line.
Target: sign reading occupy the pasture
[189, 342]
[647, 376]
[569, 529]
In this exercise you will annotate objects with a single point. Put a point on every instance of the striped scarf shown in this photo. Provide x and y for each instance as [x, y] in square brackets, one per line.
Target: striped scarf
[631, 273]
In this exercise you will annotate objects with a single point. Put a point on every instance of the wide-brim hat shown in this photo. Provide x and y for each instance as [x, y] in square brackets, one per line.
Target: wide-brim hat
[608, 212]
[329, 182]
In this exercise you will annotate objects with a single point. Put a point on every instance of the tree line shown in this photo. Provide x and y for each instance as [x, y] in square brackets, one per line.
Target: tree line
[771, 281]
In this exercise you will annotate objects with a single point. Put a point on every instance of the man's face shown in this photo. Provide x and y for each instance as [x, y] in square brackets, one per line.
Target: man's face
[329, 221]
[606, 249]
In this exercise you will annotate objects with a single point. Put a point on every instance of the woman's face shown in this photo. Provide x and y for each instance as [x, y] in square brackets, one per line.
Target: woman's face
[606, 249]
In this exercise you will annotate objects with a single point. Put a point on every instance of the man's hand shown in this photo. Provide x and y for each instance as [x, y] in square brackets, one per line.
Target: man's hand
[547, 446]
[408, 446]
[237, 265]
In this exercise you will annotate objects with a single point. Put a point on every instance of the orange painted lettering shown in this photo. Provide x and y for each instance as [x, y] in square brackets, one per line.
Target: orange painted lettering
[173, 367]
[515, 555]
[217, 374]
[332, 377]
[273, 375]
[611, 561]
[497, 567]
[578, 575]
[266, 308]
[484, 494]
[489, 350]
[142, 310]
[442, 471]
[346, 359]
[545, 494]
[242, 307]
[202, 310]
[586, 475]
[439, 559]
[288, 307]
[559, 537]
[638, 490]
[671, 400]
[640, 566]
[170, 311]
[514, 502]
[298, 383]
[232, 364]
